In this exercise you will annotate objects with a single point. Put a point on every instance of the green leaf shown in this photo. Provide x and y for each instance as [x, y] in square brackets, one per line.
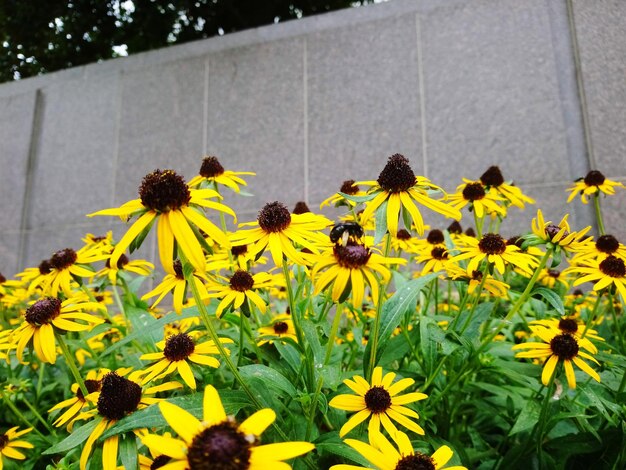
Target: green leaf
[136, 243]
[365, 198]
[381, 222]
[151, 417]
[527, 418]
[128, 452]
[73, 440]
[551, 297]
[270, 378]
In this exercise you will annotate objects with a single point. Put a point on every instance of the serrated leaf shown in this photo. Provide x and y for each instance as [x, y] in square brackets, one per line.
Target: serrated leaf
[552, 298]
[75, 439]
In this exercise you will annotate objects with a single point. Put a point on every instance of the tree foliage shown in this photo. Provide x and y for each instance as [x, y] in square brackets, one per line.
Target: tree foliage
[38, 36]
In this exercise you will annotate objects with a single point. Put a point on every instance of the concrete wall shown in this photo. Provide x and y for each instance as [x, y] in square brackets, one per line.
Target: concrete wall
[535, 86]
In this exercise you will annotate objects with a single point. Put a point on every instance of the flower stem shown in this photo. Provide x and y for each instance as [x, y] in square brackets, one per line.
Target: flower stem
[19, 414]
[333, 332]
[38, 416]
[599, 220]
[479, 291]
[69, 360]
[592, 315]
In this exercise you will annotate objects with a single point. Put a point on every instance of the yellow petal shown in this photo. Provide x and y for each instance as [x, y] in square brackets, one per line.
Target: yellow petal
[184, 423]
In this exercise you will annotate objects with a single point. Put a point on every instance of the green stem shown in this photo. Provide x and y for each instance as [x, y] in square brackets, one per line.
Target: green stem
[21, 416]
[333, 332]
[120, 306]
[313, 410]
[379, 308]
[592, 315]
[599, 220]
[69, 360]
[479, 291]
[478, 221]
[618, 329]
[38, 416]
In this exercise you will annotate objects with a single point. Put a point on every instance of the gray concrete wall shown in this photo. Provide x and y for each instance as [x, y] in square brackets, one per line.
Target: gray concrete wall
[535, 86]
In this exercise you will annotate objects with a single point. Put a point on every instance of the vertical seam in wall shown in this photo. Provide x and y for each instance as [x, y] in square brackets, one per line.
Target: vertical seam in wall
[581, 85]
[422, 96]
[118, 126]
[205, 110]
[305, 97]
[30, 170]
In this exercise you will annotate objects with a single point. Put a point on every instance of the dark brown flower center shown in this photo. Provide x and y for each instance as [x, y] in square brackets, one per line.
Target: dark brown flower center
[163, 191]
[274, 217]
[477, 275]
[492, 177]
[568, 325]
[121, 262]
[348, 187]
[552, 230]
[43, 311]
[63, 259]
[564, 346]
[4, 440]
[416, 461]
[403, 235]
[377, 399]
[160, 461]
[241, 281]
[301, 208]
[118, 396]
[492, 244]
[353, 255]
[554, 273]
[397, 176]
[594, 178]
[578, 293]
[91, 386]
[439, 253]
[470, 232]
[239, 250]
[455, 228]
[613, 267]
[473, 191]
[607, 244]
[2, 278]
[435, 237]
[178, 269]
[280, 327]
[220, 447]
[211, 167]
[45, 267]
[178, 347]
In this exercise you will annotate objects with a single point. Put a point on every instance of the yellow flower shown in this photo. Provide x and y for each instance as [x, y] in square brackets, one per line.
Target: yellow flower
[380, 401]
[494, 182]
[574, 328]
[219, 441]
[138, 266]
[118, 398]
[348, 187]
[384, 456]
[604, 246]
[175, 282]
[558, 347]
[397, 189]
[176, 351]
[557, 237]
[241, 288]
[9, 444]
[495, 250]
[551, 277]
[349, 268]
[592, 185]
[211, 171]
[79, 401]
[482, 201]
[163, 195]
[47, 316]
[493, 286]
[609, 271]
[281, 327]
[278, 229]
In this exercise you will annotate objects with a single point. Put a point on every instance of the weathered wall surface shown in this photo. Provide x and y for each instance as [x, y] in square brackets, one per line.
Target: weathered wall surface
[536, 87]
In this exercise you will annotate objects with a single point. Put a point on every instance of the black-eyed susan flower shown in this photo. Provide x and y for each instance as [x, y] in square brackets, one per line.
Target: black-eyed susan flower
[474, 279]
[9, 444]
[79, 401]
[277, 228]
[496, 251]
[118, 398]
[175, 282]
[380, 401]
[176, 352]
[592, 185]
[382, 455]
[482, 202]
[493, 180]
[398, 189]
[404, 241]
[240, 288]
[165, 197]
[434, 261]
[558, 347]
[137, 266]
[350, 268]
[280, 327]
[338, 199]
[604, 246]
[604, 273]
[218, 441]
[573, 327]
[212, 172]
[49, 315]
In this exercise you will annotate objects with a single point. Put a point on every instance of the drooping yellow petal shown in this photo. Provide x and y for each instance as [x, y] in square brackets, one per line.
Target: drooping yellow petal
[184, 423]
